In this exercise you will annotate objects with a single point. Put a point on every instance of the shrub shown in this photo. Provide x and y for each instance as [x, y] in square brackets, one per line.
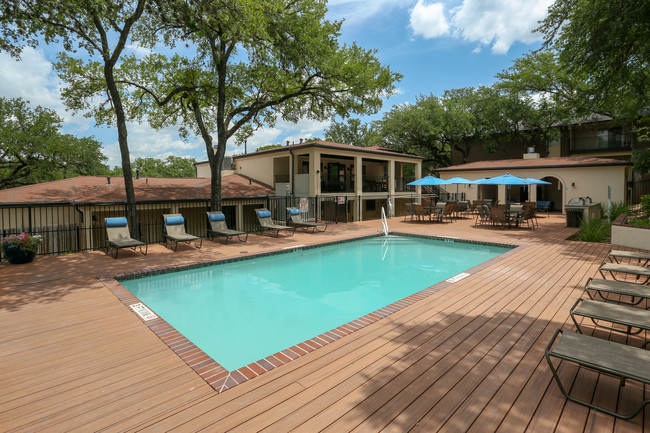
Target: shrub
[618, 208]
[645, 204]
[594, 230]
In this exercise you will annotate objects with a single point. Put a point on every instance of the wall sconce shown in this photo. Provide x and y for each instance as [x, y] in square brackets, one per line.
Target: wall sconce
[573, 184]
[317, 171]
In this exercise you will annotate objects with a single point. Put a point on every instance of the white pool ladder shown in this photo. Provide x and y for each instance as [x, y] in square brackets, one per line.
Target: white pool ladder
[384, 222]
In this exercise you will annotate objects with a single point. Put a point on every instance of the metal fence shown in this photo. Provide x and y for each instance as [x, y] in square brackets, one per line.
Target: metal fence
[638, 189]
[67, 228]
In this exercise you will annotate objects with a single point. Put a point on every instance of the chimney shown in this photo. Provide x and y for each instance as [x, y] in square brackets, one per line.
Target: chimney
[108, 180]
[287, 142]
[301, 141]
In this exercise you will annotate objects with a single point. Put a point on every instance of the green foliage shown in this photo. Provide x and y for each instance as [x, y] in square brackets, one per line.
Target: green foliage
[645, 204]
[353, 132]
[28, 242]
[33, 149]
[594, 230]
[617, 209]
[268, 147]
[608, 42]
[172, 166]
[641, 161]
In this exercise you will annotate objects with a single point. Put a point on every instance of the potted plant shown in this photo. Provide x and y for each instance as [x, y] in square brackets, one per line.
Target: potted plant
[20, 248]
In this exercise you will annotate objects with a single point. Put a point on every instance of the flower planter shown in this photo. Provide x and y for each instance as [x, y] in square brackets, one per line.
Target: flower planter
[629, 235]
[16, 255]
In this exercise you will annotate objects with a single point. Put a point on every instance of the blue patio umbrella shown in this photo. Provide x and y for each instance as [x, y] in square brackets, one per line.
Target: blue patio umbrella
[505, 179]
[533, 181]
[428, 180]
[458, 181]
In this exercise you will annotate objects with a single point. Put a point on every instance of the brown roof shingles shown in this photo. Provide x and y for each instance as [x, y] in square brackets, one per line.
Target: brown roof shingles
[95, 189]
[556, 162]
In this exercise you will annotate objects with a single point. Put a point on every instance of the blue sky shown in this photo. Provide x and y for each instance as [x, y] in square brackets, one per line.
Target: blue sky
[435, 45]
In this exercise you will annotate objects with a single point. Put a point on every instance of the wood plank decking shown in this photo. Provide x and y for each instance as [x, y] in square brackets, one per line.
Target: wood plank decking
[467, 358]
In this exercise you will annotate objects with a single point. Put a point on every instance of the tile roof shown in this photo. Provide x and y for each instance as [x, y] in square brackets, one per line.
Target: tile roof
[95, 189]
[556, 162]
[334, 146]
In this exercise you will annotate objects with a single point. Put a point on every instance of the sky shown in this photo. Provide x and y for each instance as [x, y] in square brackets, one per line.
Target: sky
[435, 45]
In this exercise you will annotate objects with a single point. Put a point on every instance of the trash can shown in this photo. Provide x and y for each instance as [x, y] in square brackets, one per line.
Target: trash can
[574, 216]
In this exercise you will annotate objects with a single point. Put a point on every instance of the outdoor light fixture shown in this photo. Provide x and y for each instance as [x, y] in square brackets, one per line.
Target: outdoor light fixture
[573, 184]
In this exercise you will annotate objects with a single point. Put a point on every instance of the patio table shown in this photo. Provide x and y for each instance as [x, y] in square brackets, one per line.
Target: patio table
[513, 215]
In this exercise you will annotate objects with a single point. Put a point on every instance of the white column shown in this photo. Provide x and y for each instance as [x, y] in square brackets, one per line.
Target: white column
[358, 187]
[314, 172]
[391, 177]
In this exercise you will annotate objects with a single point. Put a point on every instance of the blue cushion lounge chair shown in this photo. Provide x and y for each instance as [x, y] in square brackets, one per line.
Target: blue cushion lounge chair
[174, 232]
[602, 356]
[295, 219]
[117, 232]
[218, 228]
[266, 223]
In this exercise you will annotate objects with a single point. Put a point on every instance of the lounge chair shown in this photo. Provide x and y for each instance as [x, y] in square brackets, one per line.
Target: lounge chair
[218, 228]
[637, 292]
[633, 321]
[614, 255]
[498, 216]
[615, 268]
[266, 223]
[117, 231]
[295, 219]
[174, 232]
[421, 212]
[602, 356]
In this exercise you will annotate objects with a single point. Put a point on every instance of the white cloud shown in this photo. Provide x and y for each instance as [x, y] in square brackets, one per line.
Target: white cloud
[429, 21]
[498, 24]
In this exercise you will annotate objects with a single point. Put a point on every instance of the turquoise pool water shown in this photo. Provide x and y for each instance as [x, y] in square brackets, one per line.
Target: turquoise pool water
[243, 311]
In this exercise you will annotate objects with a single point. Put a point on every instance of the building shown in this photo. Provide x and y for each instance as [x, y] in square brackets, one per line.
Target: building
[362, 178]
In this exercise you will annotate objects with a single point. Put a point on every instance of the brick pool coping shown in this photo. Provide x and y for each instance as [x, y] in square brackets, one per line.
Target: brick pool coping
[221, 379]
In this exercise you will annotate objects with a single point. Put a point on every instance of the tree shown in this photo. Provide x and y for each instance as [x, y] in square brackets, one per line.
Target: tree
[101, 29]
[416, 129]
[354, 132]
[172, 166]
[252, 62]
[268, 147]
[608, 42]
[33, 149]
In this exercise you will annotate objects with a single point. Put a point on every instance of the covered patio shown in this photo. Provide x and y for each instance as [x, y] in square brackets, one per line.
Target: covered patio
[466, 356]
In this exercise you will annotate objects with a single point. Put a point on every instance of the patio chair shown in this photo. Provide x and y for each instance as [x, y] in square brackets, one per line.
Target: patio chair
[475, 205]
[174, 232]
[498, 216]
[615, 255]
[117, 232]
[266, 223]
[410, 212]
[448, 211]
[218, 228]
[602, 356]
[616, 268]
[526, 217]
[462, 207]
[632, 321]
[295, 219]
[635, 291]
[483, 215]
[420, 212]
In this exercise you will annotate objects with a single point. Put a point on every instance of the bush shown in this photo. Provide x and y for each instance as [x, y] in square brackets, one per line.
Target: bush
[645, 204]
[594, 230]
[617, 209]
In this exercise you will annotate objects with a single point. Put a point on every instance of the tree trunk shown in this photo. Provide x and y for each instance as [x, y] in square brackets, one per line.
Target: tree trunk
[124, 150]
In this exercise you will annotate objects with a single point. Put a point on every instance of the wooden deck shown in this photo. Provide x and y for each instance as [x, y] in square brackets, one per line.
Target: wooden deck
[467, 358]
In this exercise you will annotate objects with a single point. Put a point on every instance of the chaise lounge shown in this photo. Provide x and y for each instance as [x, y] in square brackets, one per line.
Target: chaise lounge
[174, 232]
[295, 219]
[615, 268]
[266, 223]
[637, 292]
[218, 228]
[602, 356]
[117, 231]
[614, 256]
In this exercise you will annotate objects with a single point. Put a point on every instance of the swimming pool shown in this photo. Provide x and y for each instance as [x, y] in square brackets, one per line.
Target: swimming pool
[240, 312]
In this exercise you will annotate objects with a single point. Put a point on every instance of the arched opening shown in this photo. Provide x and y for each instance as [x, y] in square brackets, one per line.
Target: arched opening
[553, 192]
